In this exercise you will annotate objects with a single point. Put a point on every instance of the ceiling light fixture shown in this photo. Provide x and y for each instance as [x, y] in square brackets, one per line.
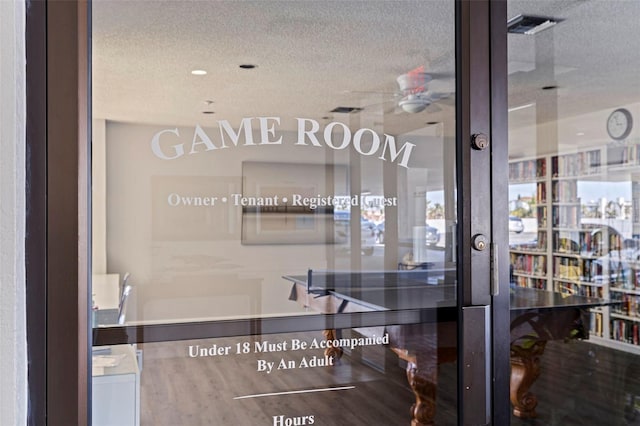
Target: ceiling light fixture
[414, 104]
[521, 107]
[199, 72]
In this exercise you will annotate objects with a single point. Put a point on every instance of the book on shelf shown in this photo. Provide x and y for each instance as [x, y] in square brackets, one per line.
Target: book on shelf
[542, 240]
[528, 282]
[625, 331]
[567, 268]
[542, 216]
[564, 191]
[596, 323]
[529, 264]
[576, 289]
[623, 155]
[586, 245]
[528, 169]
[625, 304]
[541, 167]
[541, 192]
[578, 164]
[625, 278]
[565, 216]
[591, 270]
[564, 243]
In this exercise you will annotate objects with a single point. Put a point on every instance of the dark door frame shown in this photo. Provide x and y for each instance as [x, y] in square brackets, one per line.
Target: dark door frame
[57, 220]
[498, 58]
[481, 94]
[58, 206]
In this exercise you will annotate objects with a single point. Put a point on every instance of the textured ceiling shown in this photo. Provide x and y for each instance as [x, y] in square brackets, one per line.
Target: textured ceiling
[311, 57]
[593, 56]
[314, 56]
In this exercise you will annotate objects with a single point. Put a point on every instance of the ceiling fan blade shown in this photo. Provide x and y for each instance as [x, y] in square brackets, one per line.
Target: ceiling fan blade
[433, 108]
[448, 101]
[371, 92]
[440, 97]
[441, 75]
[391, 110]
[377, 103]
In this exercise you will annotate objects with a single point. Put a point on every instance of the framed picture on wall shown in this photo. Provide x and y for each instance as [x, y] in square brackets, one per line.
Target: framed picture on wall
[284, 203]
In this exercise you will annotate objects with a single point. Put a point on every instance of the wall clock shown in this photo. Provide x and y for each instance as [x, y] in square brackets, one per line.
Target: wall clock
[619, 124]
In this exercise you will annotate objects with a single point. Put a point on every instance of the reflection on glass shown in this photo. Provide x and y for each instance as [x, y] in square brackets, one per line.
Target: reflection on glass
[269, 165]
[292, 376]
[573, 205]
[217, 175]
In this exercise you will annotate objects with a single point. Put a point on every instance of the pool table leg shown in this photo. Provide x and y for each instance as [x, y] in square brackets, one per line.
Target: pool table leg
[525, 369]
[423, 382]
[422, 375]
[336, 353]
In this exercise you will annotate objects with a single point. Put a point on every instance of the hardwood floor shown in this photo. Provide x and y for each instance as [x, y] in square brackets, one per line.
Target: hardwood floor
[586, 384]
[580, 384]
[179, 390]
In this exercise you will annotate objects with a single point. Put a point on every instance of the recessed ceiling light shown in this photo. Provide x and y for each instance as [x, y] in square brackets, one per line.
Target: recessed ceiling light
[580, 134]
[247, 66]
[198, 72]
[345, 110]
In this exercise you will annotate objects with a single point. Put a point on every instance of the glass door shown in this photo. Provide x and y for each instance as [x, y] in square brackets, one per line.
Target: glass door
[574, 221]
[276, 209]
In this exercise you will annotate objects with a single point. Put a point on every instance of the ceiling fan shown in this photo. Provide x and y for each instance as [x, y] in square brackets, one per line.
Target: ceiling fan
[415, 93]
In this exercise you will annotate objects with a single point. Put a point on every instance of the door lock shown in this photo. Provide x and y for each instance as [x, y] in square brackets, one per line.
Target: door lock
[479, 242]
[479, 141]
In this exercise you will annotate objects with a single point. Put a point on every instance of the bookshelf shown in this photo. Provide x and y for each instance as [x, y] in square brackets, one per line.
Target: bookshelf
[570, 255]
[530, 260]
[625, 290]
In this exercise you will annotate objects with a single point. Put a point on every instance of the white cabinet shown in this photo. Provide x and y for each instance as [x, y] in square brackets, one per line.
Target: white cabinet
[116, 390]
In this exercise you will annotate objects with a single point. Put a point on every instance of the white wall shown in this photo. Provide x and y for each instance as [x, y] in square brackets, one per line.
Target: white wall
[98, 197]
[574, 133]
[13, 363]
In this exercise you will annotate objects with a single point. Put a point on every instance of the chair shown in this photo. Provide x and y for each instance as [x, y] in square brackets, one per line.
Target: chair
[125, 279]
[122, 307]
[116, 316]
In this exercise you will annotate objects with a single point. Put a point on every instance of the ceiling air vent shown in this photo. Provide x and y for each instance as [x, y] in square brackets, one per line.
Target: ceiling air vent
[530, 25]
[345, 110]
